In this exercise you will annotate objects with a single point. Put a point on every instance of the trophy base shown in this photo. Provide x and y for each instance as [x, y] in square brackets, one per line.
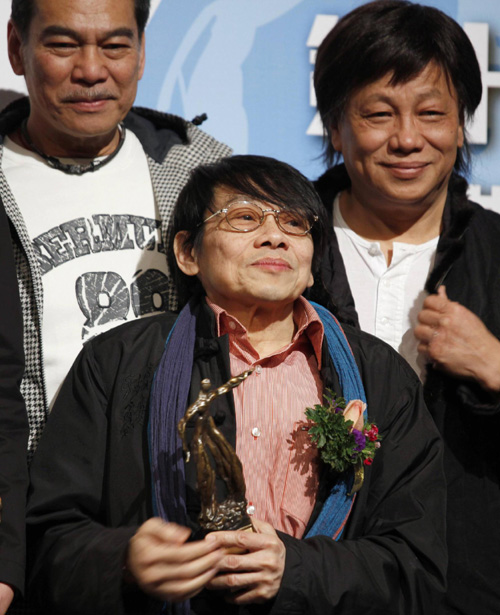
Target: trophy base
[201, 532]
[237, 550]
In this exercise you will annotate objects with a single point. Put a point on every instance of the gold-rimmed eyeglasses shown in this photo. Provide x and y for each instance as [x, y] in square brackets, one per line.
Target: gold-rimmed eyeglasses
[244, 216]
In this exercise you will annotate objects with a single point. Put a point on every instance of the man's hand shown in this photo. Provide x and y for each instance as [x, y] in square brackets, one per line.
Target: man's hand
[166, 566]
[254, 576]
[456, 341]
[6, 596]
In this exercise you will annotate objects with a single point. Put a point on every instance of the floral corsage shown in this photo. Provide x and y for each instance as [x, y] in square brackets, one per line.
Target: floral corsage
[342, 436]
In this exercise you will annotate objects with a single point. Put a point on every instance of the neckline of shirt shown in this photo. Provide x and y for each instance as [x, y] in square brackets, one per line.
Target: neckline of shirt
[13, 150]
[340, 224]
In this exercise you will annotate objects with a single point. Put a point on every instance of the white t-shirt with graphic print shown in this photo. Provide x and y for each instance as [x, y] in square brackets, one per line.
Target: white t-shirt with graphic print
[98, 241]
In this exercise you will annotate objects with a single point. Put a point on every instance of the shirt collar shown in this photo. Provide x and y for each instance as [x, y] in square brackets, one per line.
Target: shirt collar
[305, 318]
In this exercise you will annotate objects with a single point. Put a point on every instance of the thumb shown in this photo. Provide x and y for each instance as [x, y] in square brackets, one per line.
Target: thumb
[442, 292]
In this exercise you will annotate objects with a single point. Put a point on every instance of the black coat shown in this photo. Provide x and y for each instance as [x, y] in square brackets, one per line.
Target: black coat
[91, 486]
[13, 420]
[467, 262]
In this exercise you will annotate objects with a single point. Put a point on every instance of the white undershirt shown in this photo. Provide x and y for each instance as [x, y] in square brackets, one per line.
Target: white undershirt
[98, 243]
[388, 298]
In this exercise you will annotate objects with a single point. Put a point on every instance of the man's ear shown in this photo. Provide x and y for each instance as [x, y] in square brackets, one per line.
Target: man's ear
[142, 58]
[14, 46]
[184, 254]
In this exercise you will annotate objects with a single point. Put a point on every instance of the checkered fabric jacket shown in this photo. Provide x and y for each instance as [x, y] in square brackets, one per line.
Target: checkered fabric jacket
[173, 148]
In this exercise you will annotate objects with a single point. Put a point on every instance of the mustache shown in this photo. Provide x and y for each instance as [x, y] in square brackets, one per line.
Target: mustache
[88, 95]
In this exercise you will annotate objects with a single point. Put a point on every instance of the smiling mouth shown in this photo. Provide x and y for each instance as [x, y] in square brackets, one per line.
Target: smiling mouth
[89, 97]
[406, 169]
[405, 165]
[89, 101]
[85, 105]
[272, 264]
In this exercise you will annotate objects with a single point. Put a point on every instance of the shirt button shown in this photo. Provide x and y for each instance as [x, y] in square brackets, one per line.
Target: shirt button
[251, 510]
[373, 250]
[383, 320]
[232, 325]
[255, 432]
[258, 369]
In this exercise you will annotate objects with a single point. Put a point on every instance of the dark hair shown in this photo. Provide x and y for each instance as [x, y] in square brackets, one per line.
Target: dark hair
[398, 37]
[23, 10]
[259, 177]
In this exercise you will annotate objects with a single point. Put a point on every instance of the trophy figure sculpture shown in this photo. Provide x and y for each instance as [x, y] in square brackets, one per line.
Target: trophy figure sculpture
[230, 514]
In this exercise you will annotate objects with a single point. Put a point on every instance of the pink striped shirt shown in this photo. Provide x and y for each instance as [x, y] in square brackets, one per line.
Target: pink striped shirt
[279, 462]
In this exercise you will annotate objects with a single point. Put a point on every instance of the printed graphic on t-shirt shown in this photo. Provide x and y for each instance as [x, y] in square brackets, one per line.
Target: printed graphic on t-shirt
[101, 233]
[104, 296]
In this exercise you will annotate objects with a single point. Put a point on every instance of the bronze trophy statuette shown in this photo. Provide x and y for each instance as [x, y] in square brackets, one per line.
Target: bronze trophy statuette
[208, 441]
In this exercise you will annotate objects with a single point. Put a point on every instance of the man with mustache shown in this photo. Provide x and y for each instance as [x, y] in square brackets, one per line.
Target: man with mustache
[411, 259]
[113, 501]
[88, 183]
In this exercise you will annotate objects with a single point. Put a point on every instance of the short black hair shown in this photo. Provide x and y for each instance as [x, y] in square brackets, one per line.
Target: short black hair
[22, 12]
[259, 177]
[398, 37]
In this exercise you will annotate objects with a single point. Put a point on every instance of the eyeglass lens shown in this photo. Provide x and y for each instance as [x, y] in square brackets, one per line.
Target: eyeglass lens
[245, 216]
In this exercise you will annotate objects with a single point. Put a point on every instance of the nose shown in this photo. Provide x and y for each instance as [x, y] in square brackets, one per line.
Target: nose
[90, 66]
[407, 136]
[269, 233]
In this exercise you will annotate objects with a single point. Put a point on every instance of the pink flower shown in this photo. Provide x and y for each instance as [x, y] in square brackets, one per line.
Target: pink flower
[372, 433]
[354, 412]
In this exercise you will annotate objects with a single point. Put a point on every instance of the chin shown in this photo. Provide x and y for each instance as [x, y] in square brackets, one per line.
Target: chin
[407, 196]
[91, 124]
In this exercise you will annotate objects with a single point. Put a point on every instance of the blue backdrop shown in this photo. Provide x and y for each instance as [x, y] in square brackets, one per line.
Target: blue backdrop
[248, 65]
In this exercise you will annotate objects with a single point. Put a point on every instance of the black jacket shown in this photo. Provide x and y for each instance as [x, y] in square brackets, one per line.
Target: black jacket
[91, 486]
[13, 420]
[467, 260]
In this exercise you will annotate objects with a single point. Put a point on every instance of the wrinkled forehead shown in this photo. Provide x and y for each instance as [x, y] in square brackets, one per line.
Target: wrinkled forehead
[81, 15]
[226, 196]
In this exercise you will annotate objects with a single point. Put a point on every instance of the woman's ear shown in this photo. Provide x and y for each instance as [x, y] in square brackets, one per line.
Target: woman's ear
[185, 254]
[336, 138]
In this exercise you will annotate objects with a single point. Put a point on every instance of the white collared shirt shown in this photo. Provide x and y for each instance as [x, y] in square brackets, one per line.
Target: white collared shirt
[388, 298]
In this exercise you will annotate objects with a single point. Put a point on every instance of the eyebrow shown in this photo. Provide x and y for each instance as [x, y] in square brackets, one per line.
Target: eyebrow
[433, 92]
[62, 31]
